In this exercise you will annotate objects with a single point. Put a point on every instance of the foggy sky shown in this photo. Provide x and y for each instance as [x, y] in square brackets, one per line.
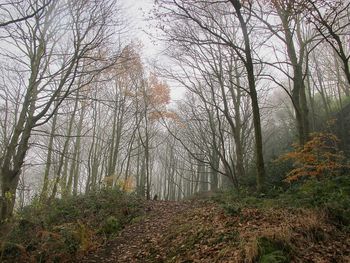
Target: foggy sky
[137, 12]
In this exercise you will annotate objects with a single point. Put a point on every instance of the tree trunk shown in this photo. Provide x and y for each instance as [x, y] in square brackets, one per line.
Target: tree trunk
[44, 191]
[9, 184]
[298, 91]
[260, 167]
[215, 162]
[237, 133]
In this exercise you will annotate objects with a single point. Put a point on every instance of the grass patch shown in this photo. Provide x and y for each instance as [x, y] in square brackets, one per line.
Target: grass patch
[272, 251]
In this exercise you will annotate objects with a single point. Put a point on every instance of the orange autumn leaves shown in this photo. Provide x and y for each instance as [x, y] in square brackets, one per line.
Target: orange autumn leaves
[317, 158]
[144, 89]
[159, 92]
[159, 96]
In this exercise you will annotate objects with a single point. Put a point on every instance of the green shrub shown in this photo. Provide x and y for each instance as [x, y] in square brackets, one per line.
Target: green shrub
[70, 238]
[331, 194]
[276, 172]
[61, 211]
[232, 209]
[111, 226]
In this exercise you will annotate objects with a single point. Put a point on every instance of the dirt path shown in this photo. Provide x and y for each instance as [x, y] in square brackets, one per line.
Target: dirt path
[138, 240]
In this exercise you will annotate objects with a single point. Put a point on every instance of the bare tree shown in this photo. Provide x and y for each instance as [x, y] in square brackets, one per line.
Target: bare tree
[23, 10]
[331, 20]
[213, 18]
[49, 51]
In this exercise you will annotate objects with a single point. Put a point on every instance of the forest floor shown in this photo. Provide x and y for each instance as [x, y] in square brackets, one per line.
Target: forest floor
[141, 239]
[204, 231]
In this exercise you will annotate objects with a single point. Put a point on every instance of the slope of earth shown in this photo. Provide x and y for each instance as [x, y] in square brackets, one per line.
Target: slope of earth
[67, 228]
[202, 231]
[141, 238]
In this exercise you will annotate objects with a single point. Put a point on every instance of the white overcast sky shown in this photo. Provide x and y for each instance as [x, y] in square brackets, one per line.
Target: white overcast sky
[137, 12]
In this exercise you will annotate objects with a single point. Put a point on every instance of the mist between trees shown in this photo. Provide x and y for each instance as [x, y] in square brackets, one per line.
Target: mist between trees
[80, 112]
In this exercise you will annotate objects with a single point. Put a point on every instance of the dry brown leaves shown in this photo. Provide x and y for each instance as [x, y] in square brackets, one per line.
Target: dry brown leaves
[202, 232]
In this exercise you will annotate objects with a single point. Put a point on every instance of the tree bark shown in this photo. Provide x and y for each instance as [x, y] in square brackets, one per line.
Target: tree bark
[298, 90]
[45, 188]
[248, 63]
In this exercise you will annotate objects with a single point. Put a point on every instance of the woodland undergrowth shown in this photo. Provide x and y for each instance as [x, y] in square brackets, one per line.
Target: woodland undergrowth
[65, 229]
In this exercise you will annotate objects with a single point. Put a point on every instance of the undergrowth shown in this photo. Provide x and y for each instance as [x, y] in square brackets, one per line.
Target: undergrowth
[66, 228]
[331, 195]
[272, 251]
[316, 212]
